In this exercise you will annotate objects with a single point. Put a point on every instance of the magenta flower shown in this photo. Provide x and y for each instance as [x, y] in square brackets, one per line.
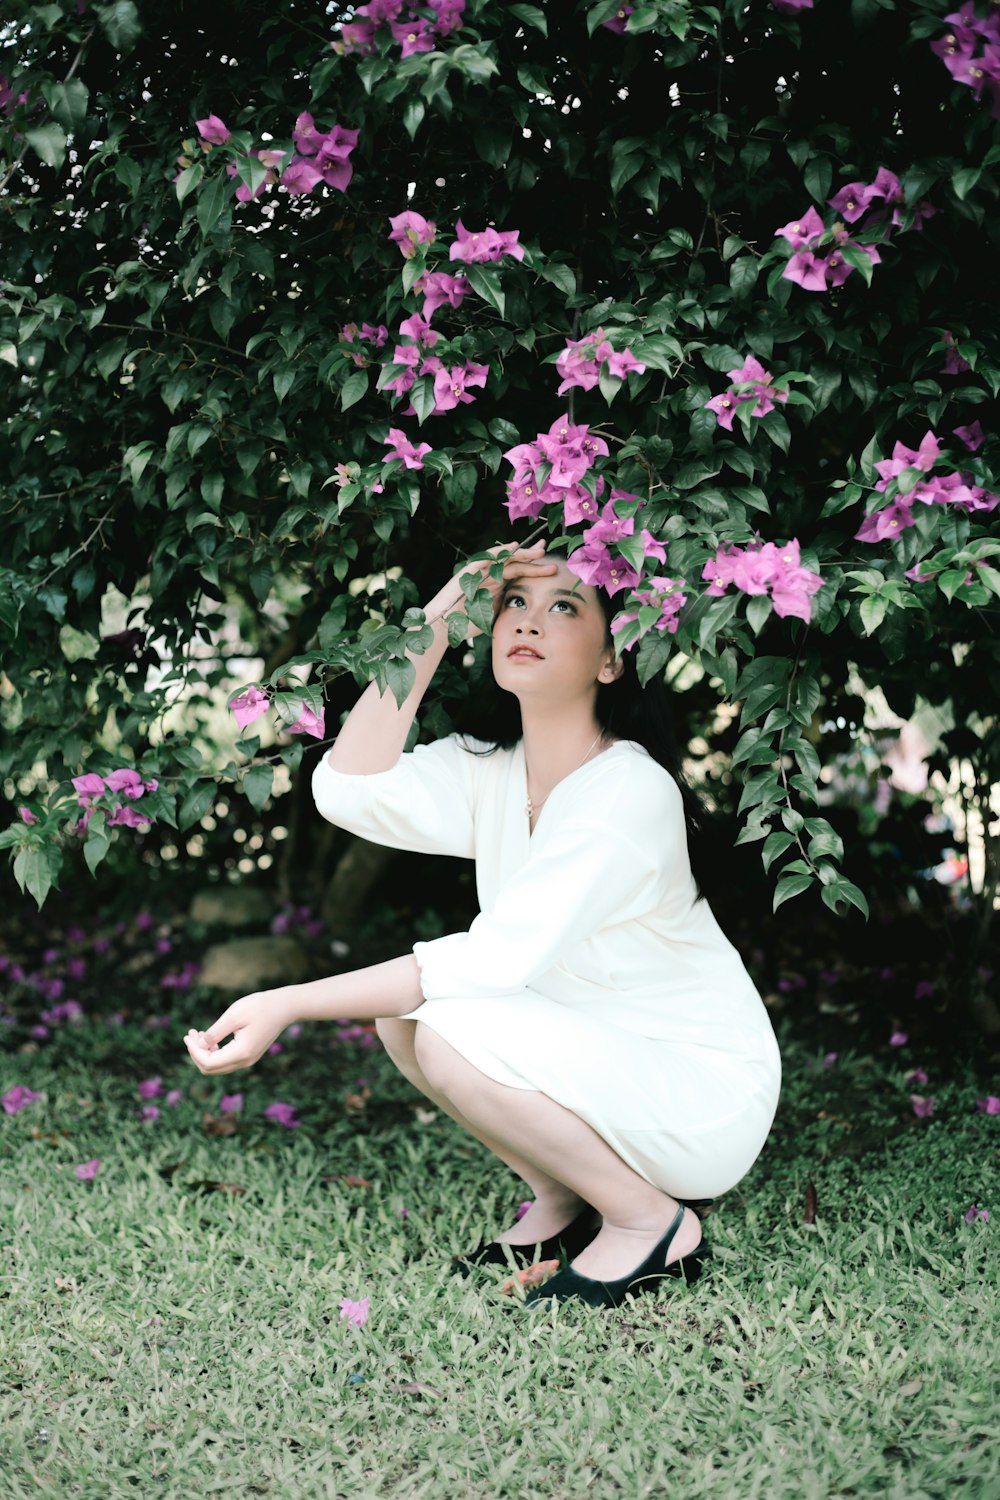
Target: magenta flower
[356, 36]
[886, 523]
[594, 564]
[87, 1170]
[792, 7]
[248, 706]
[807, 271]
[213, 131]
[917, 1075]
[18, 1098]
[282, 1114]
[923, 1107]
[90, 785]
[440, 288]
[988, 1106]
[972, 1213]
[829, 1059]
[804, 231]
[322, 156]
[411, 230]
[174, 1098]
[476, 246]
[619, 20]
[765, 569]
[972, 436]
[356, 1313]
[401, 448]
[664, 594]
[27, 816]
[231, 1104]
[414, 35]
[522, 1208]
[898, 1039]
[150, 1088]
[308, 722]
[954, 363]
[450, 386]
[625, 363]
[725, 407]
[149, 1112]
[419, 330]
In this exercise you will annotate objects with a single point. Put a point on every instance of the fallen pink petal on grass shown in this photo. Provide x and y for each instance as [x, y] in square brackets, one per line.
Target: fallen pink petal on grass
[282, 1114]
[923, 1106]
[988, 1106]
[973, 1213]
[87, 1170]
[356, 1313]
[18, 1098]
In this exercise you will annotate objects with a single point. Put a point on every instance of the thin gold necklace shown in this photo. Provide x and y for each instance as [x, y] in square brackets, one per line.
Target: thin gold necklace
[530, 807]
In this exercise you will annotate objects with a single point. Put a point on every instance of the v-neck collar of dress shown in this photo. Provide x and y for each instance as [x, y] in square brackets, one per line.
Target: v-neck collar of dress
[523, 781]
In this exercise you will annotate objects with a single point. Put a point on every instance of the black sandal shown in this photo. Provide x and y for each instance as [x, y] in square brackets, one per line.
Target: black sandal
[647, 1277]
[566, 1244]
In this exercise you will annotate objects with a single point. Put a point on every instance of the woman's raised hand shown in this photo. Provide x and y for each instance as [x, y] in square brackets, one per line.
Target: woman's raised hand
[519, 562]
[255, 1022]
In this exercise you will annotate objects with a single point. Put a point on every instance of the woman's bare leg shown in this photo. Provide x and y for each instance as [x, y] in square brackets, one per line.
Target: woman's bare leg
[554, 1141]
[555, 1204]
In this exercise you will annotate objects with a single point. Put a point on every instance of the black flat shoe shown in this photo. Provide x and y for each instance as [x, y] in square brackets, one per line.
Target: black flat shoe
[568, 1283]
[567, 1243]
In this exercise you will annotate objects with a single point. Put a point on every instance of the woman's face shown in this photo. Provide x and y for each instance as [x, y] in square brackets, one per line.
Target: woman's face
[550, 638]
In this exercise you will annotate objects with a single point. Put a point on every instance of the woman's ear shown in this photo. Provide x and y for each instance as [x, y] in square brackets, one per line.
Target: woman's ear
[611, 670]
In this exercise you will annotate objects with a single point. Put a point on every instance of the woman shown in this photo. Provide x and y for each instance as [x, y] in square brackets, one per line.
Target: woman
[593, 1028]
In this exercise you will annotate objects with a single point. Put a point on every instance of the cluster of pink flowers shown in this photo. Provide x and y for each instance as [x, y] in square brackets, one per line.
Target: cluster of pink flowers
[583, 360]
[94, 791]
[8, 101]
[248, 706]
[563, 455]
[764, 568]
[940, 489]
[319, 156]
[600, 561]
[971, 51]
[750, 383]
[815, 272]
[375, 334]
[660, 601]
[408, 25]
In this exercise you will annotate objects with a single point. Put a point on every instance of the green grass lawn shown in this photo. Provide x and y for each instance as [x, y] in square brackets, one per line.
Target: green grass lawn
[172, 1327]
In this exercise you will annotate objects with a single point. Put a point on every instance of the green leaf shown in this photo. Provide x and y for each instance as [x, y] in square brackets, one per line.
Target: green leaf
[212, 199]
[67, 101]
[531, 15]
[743, 275]
[413, 114]
[776, 843]
[36, 870]
[353, 389]
[422, 399]
[873, 610]
[789, 886]
[120, 23]
[196, 804]
[487, 284]
[965, 179]
[262, 579]
[560, 276]
[49, 143]
[257, 783]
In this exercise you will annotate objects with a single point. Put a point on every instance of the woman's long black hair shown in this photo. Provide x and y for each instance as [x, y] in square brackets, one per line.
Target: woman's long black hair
[625, 710]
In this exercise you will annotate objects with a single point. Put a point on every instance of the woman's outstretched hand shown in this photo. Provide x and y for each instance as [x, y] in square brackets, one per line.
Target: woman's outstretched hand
[522, 562]
[254, 1022]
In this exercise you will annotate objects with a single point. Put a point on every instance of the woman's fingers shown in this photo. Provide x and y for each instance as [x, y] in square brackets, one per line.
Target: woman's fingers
[209, 1057]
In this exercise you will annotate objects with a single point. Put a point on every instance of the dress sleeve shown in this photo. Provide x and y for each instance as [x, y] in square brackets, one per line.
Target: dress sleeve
[593, 865]
[425, 803]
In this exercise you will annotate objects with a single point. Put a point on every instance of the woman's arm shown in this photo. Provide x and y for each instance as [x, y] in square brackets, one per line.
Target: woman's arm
[255, 1021]
[375, 731]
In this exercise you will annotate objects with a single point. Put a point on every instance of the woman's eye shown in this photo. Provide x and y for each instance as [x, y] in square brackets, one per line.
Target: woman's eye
[512, 599]
[565, 604]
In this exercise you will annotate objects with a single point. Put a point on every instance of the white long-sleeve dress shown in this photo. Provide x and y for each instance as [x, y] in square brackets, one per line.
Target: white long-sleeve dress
[592, 973]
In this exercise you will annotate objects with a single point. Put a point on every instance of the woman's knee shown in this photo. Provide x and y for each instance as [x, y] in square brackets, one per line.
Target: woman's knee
[396, 1036]
[432, 1054]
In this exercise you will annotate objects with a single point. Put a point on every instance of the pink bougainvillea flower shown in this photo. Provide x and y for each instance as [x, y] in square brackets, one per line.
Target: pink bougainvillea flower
[410, 230]
[898, 1039]
[972, 1213]
[886, 523]
[807, 271]
[792, 7]
[624, 363]
[231, 1104]
[619, 20]
[27, 816]
[282, 1114]
[413, 35]
[150, 1088]
[665, 594]
[451, 386]
[248, 706]
[400, 447]
[87, 1170]
[127, 781]
[174, 1098]
[800, 232]
[449, 15]
[301, 175]
[829, 1060]
[87, 786]
[213, 131]
[923, 1107]
[308, 722]
[419, 330]
[972, 436]
[356, 1313]
[322, 156]
[149, 1112]
[954, 363]
[439, 288]
[988, 1106]
[917, 1075]
[356, 36]
[725, 407]
[596, 565]
[522, 1208]
[484, 244]
[18, 1098]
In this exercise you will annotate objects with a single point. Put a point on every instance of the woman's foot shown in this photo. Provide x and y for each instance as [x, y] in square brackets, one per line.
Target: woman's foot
[617, 1249]
[548, 1215]
[667, 1260]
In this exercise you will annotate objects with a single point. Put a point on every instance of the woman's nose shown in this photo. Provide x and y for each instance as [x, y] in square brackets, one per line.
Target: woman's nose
[527, 625]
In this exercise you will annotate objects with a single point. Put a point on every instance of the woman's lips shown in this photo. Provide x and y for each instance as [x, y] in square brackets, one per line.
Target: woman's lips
[528, 651]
